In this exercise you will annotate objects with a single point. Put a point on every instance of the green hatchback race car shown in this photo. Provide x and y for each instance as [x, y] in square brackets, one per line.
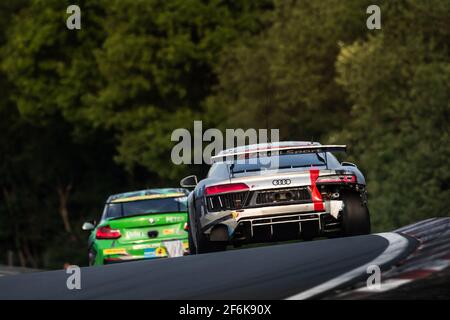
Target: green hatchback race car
[144, 224]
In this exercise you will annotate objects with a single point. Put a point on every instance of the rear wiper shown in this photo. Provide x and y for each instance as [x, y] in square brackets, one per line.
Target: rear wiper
[230, 171]
[320, 158]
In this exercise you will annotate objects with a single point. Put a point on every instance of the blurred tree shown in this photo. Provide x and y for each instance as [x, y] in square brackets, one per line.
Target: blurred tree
[157, 68]
[285, 77]
[8, 139]
[399, 85]
[56, 170]
[140, 72]
[51, 67]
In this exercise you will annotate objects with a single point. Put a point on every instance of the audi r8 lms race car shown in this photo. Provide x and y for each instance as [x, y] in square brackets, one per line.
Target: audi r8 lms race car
[138, 225]
[272, 192]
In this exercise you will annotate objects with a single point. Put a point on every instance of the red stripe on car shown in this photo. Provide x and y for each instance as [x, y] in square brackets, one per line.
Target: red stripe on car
[315, 194]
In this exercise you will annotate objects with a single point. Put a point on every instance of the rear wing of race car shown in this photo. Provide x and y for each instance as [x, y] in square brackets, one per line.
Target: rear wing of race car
[276, 150]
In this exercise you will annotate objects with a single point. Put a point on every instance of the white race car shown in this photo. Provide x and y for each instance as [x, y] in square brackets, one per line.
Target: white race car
[273, 192]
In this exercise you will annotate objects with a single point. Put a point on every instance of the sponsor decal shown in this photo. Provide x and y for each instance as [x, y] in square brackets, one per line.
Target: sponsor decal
[135, 234]
[160, 252]
[174, 219]
[167, 232]
[155, 252]
[149, 252]
[115, 251]
[146, 246]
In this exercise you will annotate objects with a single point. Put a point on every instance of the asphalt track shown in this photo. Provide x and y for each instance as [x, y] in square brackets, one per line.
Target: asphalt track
[271, 272]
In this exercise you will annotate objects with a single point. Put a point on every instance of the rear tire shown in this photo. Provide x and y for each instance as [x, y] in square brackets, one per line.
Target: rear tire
[356, 217]
[203, 244]
[192, 248]
[206, 246]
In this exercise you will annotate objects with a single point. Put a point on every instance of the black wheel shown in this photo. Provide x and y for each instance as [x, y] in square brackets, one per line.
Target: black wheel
[192, 248]
[206, 246]
[203, 244]
[91, 257]
[356, 217]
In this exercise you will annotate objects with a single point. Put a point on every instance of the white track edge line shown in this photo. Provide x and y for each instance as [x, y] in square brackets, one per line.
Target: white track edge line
[397, 245]
[385, 286]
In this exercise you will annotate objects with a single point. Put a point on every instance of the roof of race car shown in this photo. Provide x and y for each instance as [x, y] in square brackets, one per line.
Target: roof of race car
[148, 194]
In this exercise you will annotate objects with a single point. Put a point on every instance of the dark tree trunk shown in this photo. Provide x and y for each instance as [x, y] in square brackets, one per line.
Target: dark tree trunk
[63, 194]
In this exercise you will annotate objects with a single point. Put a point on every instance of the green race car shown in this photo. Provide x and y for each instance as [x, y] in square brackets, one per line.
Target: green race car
[138, 225]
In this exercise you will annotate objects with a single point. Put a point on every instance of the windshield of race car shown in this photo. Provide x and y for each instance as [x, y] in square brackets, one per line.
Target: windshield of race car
[144, 207]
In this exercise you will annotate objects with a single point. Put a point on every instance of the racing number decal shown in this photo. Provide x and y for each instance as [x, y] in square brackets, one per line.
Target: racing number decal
[315, 194]
[160, 252]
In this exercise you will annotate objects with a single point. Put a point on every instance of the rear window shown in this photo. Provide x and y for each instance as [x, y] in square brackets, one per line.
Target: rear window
[286, 161]
[145, 207]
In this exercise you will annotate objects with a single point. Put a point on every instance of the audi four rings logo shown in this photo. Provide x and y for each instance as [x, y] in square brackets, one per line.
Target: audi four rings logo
[281, 182]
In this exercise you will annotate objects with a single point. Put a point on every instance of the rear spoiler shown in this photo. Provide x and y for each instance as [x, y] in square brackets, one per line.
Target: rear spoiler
[280, 149]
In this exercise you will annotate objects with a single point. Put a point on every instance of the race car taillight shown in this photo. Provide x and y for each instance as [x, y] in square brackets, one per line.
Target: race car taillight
[348, 178]
[223, 188]
[107, 233]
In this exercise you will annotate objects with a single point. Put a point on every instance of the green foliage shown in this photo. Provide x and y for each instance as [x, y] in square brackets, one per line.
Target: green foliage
[399, 85]
[285, 77]
[44, 147]
[51, 67]
[156, 65]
